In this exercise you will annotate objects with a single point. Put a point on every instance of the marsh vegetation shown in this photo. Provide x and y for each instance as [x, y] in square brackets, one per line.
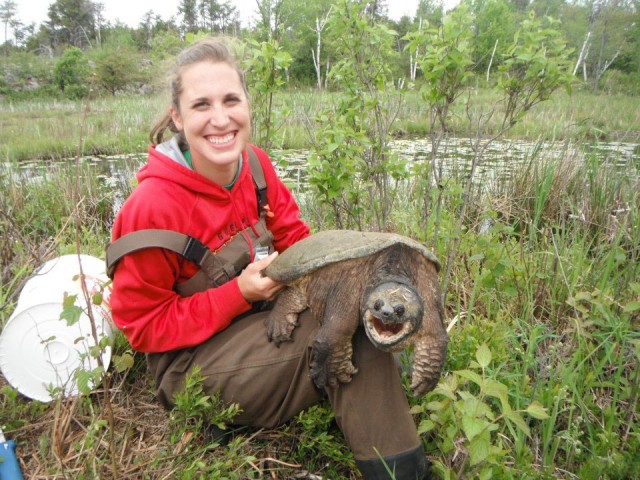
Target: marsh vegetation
[540, 266]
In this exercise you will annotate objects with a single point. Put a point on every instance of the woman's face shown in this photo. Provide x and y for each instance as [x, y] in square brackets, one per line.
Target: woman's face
[215, 117]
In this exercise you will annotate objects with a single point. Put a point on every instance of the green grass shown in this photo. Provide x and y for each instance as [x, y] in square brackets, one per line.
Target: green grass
[116, 125]
[542, 375]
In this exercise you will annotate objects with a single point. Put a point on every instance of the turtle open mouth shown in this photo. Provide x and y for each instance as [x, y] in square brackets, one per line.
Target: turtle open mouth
[385, 329]
[386, 335]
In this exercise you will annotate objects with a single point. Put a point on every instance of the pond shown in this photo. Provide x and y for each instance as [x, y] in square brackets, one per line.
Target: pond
[501, 160]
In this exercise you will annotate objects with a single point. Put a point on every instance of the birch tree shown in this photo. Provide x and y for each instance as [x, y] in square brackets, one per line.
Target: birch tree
[316, 54]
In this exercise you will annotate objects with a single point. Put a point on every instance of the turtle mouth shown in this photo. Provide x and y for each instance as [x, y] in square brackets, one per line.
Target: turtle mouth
[386, 335]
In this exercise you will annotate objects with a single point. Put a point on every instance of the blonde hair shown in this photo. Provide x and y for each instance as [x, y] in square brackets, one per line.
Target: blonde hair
[205, 50]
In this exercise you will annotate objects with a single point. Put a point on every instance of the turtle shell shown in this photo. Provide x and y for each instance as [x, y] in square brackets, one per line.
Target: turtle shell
[331, 246]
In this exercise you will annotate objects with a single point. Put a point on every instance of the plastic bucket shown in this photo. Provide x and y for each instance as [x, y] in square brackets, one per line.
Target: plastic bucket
[39, 352]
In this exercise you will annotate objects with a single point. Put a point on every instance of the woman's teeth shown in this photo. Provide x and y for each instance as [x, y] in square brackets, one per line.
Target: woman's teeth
[221, 140]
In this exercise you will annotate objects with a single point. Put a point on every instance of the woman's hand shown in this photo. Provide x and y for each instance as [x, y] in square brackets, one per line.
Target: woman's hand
[254, 286]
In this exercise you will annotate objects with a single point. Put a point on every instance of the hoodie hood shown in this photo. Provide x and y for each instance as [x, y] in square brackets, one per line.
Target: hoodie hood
[171, 149]
[167, 162]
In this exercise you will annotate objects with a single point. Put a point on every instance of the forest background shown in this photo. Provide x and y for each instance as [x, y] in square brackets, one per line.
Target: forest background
[603, 35]
[540, 267]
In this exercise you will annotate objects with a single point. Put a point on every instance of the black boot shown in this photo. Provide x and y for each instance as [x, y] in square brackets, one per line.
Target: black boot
[411, 465]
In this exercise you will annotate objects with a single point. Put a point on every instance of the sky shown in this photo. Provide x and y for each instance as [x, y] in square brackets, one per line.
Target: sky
[131, 12]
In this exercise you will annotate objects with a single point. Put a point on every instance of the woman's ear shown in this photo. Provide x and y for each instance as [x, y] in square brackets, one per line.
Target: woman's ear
[175, 116]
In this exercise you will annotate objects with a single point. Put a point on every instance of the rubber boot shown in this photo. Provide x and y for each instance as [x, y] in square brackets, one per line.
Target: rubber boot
[411, 465]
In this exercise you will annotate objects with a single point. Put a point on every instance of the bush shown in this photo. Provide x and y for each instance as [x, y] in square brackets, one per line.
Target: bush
[71, 73]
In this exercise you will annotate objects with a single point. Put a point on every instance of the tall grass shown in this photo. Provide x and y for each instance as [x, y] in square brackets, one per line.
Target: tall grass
[117, 125]
[546, 280]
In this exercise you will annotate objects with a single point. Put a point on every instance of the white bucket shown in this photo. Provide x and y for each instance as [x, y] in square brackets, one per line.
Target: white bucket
[39, 352]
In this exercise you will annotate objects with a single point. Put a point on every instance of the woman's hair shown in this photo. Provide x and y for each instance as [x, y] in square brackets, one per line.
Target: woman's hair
[205, 50]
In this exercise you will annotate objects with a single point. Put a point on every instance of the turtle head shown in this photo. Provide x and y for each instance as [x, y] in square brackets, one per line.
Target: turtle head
[392, 312]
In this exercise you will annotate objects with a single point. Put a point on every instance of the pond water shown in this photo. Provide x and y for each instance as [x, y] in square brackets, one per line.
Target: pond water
[501, 159]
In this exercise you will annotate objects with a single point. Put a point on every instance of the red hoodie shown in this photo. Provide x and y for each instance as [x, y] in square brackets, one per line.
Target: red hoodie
[169, 196]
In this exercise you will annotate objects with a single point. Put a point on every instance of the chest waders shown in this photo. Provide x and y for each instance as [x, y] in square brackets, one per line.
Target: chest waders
[217, 267]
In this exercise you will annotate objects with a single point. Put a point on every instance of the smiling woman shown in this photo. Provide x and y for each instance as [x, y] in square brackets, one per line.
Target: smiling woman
[191, 244]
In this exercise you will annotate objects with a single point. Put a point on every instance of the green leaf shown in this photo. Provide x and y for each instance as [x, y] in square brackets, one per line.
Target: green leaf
[485, 474]
[472, 426]
[471, 375]
[518, 421]
[84, 380]
[426, 426]
[631, 307]
[536, 410]
[498, 390]
[70, 311]
[416, 409]
[123, 362]
[479, 448]
[483, 355]
[96, 299]
[435, 406]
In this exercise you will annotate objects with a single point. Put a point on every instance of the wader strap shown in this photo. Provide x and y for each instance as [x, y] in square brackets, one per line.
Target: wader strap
[258, 179]
[189, 247]
[202, 280]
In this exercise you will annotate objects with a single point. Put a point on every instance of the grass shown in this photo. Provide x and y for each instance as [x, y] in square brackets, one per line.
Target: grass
[542, 374]
[119, 125]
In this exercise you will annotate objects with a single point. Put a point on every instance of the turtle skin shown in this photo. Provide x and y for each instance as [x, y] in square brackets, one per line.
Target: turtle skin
[384, 283]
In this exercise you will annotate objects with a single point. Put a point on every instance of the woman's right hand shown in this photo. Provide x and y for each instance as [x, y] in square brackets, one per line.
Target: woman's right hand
[254, 286]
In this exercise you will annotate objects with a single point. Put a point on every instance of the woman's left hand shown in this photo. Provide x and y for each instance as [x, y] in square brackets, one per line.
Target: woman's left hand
[254, 286]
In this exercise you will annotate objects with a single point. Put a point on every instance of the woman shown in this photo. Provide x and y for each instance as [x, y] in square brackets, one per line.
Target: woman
[207, 190]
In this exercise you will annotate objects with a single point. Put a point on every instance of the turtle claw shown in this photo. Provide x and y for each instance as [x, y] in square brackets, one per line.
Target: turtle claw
[422, 387]
[329, 367]
[280, 329]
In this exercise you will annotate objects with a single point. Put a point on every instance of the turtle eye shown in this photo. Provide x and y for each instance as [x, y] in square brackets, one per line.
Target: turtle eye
[378, 305]
[399, 309]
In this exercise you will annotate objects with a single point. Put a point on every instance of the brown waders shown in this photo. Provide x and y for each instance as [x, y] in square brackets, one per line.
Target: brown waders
[271, 385]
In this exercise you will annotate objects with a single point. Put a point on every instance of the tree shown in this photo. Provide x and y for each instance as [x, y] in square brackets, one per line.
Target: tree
[430, 11]
[188, 9]
[317, 53]
[217, 17]
[605, 36]
[351, 164]
[535, 64]
[116, 68]
[151, 25]
[8, 10]
[71, 22]
[494, 27]
[272, 21]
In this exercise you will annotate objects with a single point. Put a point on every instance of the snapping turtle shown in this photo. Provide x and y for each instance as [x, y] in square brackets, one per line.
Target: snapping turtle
[386, 282]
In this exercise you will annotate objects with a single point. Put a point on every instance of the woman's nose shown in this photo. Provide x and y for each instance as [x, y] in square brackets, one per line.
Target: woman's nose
[218, 116]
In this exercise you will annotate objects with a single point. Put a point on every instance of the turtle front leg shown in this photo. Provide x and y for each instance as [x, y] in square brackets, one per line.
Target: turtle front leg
[428, 357]
[331, 362]
[283, 318]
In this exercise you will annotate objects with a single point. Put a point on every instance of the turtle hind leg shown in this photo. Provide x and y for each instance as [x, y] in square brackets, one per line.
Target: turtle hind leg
[283, 318]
